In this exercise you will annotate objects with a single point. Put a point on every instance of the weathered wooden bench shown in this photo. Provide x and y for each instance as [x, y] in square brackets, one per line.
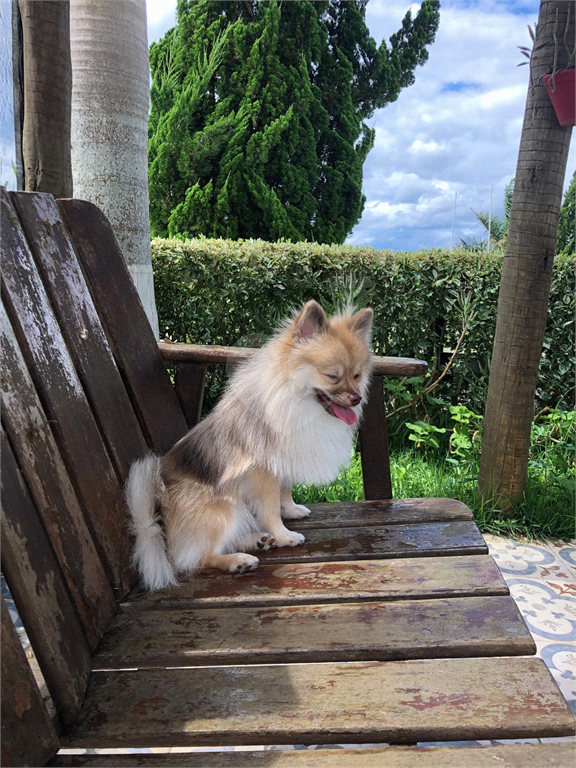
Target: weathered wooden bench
[392, 624]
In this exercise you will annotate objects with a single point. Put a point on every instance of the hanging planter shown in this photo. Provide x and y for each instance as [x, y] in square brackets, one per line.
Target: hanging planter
[561, 87]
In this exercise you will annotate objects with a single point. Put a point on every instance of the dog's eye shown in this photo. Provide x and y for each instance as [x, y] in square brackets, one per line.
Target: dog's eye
[331, 376]
[356, 376]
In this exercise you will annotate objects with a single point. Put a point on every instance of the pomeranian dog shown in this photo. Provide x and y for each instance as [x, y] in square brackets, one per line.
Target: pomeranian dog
[288, 415]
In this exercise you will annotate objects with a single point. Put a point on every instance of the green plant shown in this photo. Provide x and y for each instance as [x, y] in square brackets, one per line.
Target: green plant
[464, 443]
[546, 510]
[497, 227]
[566, 242]
[224, 292]
[422, 433]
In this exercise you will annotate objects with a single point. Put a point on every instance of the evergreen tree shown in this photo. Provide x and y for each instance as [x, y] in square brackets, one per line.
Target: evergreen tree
[257, 124]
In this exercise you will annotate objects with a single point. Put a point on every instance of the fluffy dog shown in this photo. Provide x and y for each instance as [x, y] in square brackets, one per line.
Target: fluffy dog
[288, 416]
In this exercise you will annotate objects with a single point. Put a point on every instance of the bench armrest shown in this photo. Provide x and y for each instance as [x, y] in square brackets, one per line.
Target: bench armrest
[199, 353]
[191, 361]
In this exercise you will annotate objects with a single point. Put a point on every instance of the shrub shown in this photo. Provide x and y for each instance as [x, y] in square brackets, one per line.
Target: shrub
[235, 292]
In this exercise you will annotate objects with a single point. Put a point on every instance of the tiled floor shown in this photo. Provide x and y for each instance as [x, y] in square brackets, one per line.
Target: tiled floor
[542, 580]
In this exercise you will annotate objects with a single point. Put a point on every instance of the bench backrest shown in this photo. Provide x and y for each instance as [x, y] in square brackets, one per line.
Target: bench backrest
[84, 393]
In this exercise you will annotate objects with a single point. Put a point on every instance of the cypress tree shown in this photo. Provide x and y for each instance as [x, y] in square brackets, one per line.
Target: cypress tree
[257, 124]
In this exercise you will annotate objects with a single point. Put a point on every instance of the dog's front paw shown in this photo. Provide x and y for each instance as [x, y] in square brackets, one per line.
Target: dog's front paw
[265, 541]
[242, 563]
[289, 539]
[295, 512]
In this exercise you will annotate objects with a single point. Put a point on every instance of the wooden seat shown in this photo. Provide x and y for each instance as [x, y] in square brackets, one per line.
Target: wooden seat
[392, 624]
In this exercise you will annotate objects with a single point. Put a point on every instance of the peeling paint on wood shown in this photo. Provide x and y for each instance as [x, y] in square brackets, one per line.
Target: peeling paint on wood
[40, 594]
[396, 701]
[300, 583]
[129, 334]
[407, 629]
[81, 327]
[63, 399]
[50, 487]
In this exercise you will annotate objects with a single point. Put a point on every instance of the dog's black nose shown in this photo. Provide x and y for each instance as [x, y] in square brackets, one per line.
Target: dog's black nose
[355, 399]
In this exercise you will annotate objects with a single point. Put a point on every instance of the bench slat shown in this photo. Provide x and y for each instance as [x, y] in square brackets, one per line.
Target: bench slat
[50, 487]
[40, 594]
[301, 583]
[395, 701]
[28, 736]
[407, 629]
[347, 514]
[552, 755]
[64, 401]
[81, 327]
[129, 334]
[460, 537]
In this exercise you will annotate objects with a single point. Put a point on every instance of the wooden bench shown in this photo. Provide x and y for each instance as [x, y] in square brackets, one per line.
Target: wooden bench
[392, 624]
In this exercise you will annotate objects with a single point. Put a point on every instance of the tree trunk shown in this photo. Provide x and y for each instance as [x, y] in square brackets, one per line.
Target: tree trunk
[110, 125]
[527, 269]
[47, 95]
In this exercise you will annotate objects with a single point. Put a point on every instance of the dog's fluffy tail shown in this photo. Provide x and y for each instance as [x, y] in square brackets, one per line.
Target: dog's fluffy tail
[144, 492]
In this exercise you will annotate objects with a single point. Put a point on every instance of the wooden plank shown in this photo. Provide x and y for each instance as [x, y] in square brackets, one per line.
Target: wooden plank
[125, 323]
[81, 328]
[551, 755]
[50, 487]
[40, 594]
[28, 736]
[189, 384]
[177, 352]
[394, 701]
[302, 583]
[407, 629]
[348, 514]
[63, 399]
[373, 437]
[458, 537]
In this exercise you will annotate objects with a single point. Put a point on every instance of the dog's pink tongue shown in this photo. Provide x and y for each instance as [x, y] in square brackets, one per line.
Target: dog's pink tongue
[346, 414]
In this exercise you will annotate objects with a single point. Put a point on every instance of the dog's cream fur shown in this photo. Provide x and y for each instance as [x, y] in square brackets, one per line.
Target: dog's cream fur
[288, 416]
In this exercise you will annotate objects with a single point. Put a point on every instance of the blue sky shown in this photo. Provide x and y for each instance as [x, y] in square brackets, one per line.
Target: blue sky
[455, 132]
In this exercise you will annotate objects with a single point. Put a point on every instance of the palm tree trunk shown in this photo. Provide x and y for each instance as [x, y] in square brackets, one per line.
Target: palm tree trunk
[527, 269]
[110, 95]
[47, 95]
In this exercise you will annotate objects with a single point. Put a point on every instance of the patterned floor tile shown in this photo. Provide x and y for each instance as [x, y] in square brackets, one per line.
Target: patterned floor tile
[542, 581]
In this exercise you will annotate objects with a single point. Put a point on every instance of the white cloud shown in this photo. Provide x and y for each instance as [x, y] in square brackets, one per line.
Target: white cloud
[161, 15]
[456, 130]
[427, 147]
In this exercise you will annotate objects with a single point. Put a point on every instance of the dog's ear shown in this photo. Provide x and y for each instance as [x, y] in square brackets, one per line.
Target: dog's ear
[361, 324]
[311, 320]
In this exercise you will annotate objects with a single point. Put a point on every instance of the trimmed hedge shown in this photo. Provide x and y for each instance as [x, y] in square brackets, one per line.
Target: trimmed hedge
[235, 292]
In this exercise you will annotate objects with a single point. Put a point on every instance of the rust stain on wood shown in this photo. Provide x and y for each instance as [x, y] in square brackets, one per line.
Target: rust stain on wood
[323, 632]
[332, 582]
[401, 540]
[329, 703]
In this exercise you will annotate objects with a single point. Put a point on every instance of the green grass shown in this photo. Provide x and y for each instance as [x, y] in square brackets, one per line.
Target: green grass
[547, 509]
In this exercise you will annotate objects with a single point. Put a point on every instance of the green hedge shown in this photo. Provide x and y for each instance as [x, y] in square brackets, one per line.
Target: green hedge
[234, 293]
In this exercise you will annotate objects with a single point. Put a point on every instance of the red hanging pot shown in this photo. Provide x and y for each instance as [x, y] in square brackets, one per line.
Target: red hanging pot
[562, 90]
